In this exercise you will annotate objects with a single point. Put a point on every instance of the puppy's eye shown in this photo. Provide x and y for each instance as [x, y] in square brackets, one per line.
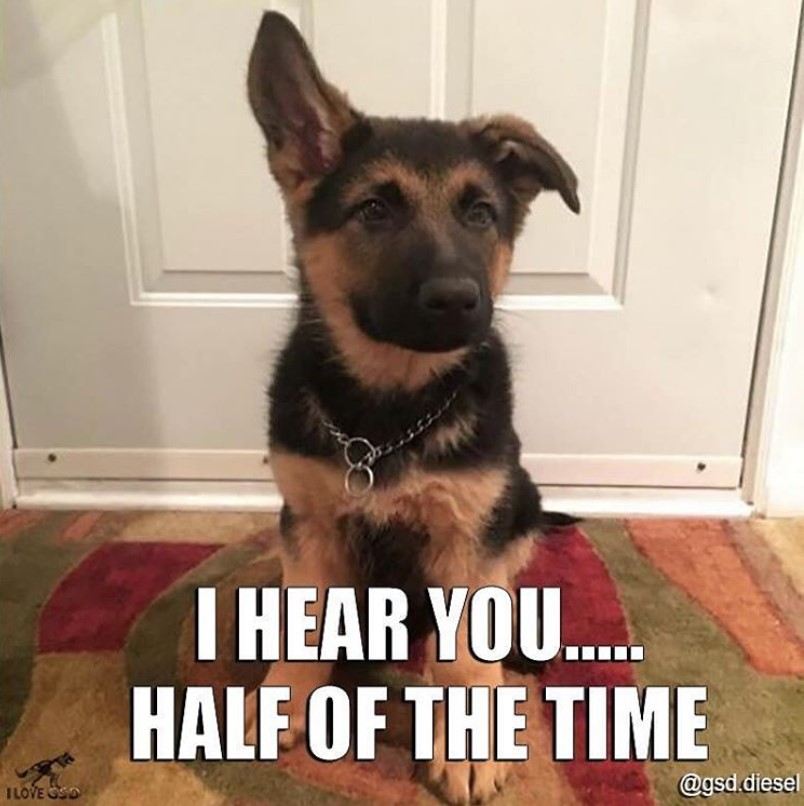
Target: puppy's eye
[480, 215]
[373, 211]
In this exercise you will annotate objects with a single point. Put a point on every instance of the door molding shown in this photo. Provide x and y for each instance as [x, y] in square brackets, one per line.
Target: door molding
[263, 497]
[8, 479]
[639, 471]
[773, 479]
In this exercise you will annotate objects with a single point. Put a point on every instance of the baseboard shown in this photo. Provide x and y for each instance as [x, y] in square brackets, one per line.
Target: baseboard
[157, 495]
[647, 502]
[263, 496]
[566, 470]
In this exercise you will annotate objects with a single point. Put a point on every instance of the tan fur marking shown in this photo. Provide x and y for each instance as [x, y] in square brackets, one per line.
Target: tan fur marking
[451, 436]
[500, 268]
[377, 364]
[468, 173]
[516, 556]
[413, 185]
[451, 504]
[295, 200]
[312, 488]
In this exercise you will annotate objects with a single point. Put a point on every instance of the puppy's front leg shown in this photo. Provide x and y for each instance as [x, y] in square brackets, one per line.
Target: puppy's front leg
[464, 781]
[308, 560]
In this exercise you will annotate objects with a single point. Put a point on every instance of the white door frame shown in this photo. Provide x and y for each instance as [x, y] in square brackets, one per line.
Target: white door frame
[8, 479]
[773, 477]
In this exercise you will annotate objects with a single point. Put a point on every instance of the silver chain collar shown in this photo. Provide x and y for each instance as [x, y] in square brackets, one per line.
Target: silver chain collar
[361, 455]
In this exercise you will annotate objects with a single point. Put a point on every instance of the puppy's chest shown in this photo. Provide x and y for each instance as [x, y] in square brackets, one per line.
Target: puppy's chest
[445, 505]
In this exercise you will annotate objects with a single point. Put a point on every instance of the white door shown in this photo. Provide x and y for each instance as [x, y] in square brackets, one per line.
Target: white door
[144, 258]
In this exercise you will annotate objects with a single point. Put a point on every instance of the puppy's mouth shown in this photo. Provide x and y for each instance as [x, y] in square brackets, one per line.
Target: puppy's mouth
[440, 315]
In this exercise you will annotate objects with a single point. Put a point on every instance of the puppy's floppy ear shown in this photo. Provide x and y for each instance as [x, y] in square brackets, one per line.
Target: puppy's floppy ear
[302, 116]
[526, 161]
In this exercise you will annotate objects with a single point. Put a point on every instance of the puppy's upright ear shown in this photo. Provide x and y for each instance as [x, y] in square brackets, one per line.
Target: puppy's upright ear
[302, 116]
[526, 162]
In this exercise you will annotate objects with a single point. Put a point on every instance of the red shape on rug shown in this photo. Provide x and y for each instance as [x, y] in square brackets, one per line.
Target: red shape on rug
[591, 615]
[94, 606]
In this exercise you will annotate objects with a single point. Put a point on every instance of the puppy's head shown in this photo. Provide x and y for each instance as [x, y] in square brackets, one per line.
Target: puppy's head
[404, 228]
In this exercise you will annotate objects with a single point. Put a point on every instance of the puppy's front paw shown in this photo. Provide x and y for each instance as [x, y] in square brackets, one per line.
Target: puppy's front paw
[462, 781]
[287, 738]
[467, 781]
[295, 711]
[488, 778]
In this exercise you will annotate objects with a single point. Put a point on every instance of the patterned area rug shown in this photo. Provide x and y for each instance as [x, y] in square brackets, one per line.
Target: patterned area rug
[94, 603]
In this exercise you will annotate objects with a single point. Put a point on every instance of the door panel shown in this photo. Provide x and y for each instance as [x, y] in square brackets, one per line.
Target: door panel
[145, 259]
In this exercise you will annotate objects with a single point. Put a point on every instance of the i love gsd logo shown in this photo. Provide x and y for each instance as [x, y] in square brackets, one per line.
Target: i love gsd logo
[51, 769]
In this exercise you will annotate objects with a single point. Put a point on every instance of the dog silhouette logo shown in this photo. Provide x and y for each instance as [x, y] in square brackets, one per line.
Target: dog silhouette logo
[46, 768]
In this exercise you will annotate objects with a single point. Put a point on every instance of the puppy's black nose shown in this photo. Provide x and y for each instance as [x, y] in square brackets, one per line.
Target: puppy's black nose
[450, 297]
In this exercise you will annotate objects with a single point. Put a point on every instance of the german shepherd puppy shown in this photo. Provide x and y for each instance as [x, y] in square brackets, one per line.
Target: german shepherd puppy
[391, 438]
